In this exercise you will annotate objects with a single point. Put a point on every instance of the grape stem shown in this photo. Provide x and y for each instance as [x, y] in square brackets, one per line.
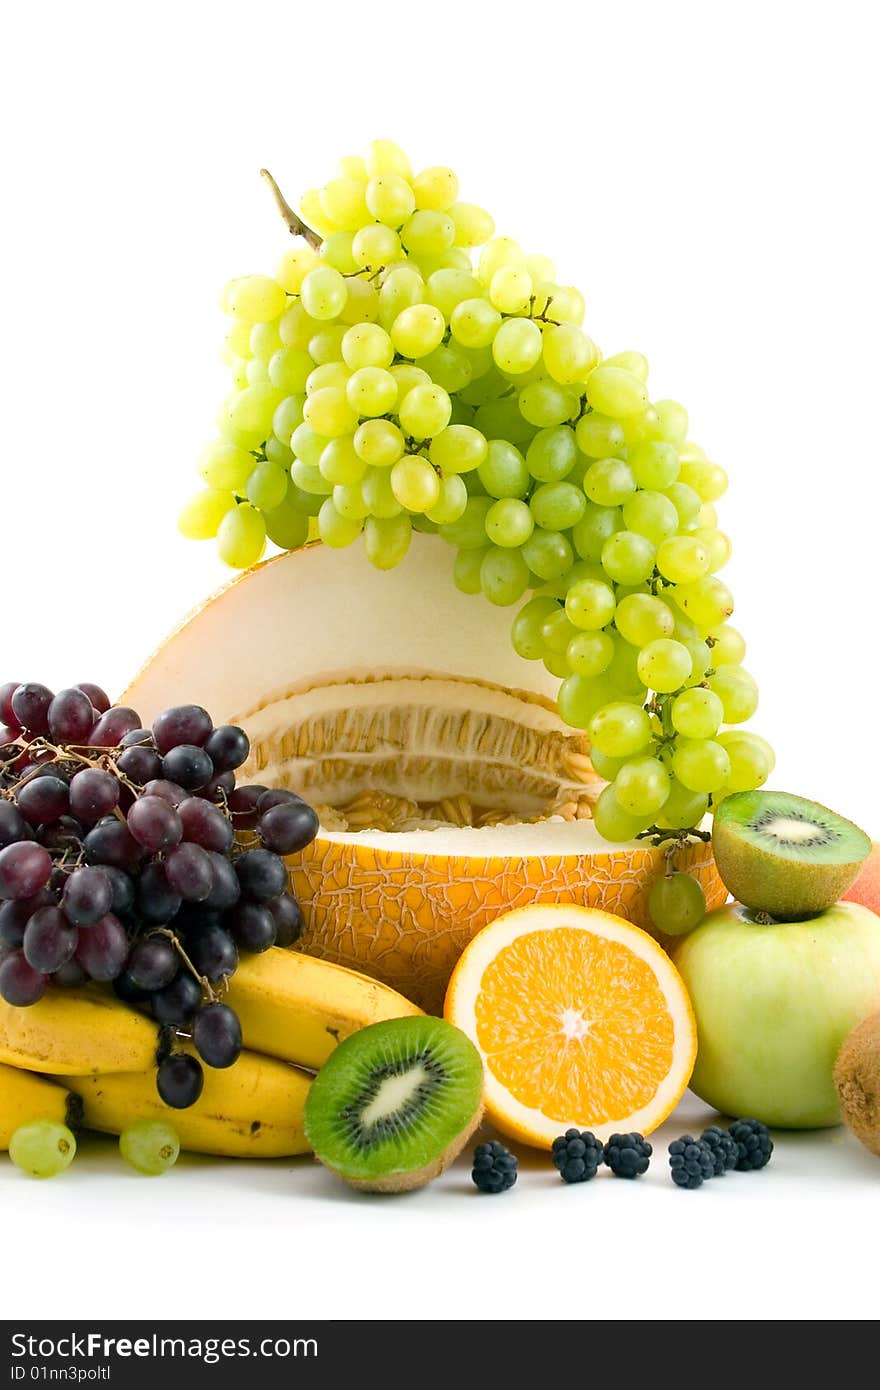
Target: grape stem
[292, 220]
[202, 979]
[658, 836]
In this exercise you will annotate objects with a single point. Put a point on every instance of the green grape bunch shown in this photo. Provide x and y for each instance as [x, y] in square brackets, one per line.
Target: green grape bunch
[405, 368]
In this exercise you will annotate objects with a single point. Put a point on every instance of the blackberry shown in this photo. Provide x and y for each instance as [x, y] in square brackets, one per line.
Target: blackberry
[628, 1155]
[723, 1147]
[577, 1155]
[691, 1161]
[753, 1144]
[494, 1167]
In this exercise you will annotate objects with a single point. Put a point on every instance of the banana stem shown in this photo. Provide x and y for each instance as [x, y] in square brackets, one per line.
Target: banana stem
[292, 220]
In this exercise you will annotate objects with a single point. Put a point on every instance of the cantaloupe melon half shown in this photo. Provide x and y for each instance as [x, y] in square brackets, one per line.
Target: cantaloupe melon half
[399, 707]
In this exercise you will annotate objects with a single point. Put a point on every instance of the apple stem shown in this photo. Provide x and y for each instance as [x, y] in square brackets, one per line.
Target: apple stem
[292, 220]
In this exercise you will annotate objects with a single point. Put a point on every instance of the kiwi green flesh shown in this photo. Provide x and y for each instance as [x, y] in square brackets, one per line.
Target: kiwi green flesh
[785, 855]
[395, 1103]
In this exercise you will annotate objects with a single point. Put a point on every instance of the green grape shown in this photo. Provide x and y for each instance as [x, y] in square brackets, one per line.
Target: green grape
[252, 409]
[685, 501]
[557, 665]
[517, 345]
[225, 467]
[729, 646]
[620, 729]
[581, 569]
[327, 411]
[677, 904]
[294, 266]
[510, 289]
[428, 233]
[629, 361]
[562, 303]
[701, 765]
[641, 786]
[289, 370]
[641, 618]
[402, 288]
[362, 304]
[308, 447]
[324, 293]
[751, 760]
[527, 630]
[569, 355]
[682, 559]
[701, 658]
[309, 478]
[435, 188]
[342, 202]
[624, 671]
[332, 374]
[287, 417]
[673, 420]
[558, 632]
[466, 570]
[287, 526]
[386, 539]
[557, 506]
[548, 554]
[255, 374]
[504, 576]
[451, 501]
[418, 330]
[509, 522]
[609, 482]
[615, 824]
[707, 601]
[683, 808]
[458, 449]
[278, 452]
[336, 251]
[717, 544]
[335, 529]
[201, 516]
[379, 443]
[628, 558]
[697, 713]
[150, 1146]
[474, 323]
[263, 340]
[309, 503]
[615, 391]
[605, 766]
[590, 604]
[379, 494]
[366, 345]
[449, 367]
[267, 486]
[374, 245]
[239, 336]
[415, 483]
[473, 225]
[504, 472]
[501, 420]
[255, 298]
[545, 404]
[598, 437]
[296, 327]
[590, 653]
[500, 251]
[651, 514]
[738, 692]
[424, 411]
[42, 1149]
[552, 454]
[371, 391]
[655, 465]
[390, 199]
[596, 526]
[446, 289]
[386, 157]
[706, 478]
[468, 531]
[241, 537]
[325, 346]
[348, 499]
[340, 463]
[664, 665]
[580, 697]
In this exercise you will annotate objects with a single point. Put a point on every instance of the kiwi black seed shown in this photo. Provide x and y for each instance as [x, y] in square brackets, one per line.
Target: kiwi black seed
[786, 856]
[395, 1103]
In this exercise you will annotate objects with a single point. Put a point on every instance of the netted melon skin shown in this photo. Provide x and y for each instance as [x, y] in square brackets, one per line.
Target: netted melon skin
[405, 919]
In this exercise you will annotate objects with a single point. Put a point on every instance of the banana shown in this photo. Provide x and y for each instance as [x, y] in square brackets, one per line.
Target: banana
[72, 1031]
[25, 1097]
[253, 1109]
[299, 1008]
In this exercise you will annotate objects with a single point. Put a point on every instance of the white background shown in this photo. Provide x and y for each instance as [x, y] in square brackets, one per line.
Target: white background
[707, 175]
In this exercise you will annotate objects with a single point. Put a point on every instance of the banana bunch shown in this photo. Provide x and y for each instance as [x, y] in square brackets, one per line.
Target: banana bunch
[293, 1009]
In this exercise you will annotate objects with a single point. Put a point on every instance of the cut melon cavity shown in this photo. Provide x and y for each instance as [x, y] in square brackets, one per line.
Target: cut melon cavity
[449, 788]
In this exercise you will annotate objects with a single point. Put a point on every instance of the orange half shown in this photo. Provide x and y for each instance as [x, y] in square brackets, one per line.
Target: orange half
[581, 1019]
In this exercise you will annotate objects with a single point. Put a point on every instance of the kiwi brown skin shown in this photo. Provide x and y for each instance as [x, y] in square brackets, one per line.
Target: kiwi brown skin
[765, 879]
[409, 1182]
[857, 1078]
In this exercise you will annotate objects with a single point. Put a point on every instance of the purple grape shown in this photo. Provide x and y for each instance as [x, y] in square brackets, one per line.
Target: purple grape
[262, 875]
[277, 796]
[288, 828]
[252, 926]
[179, 1081]
[225, 888]
[288, 919]
[188, 766]
[137, 738]
[125, 989]
[212, 951]
[71, 717]
[228, 747]
[111, 843]
[12, 825]
[99, 699]
[153, 963]
[43, 799]
[169, 791]
[177, 1002]
[20, 984]
[61, 836]
[30, 707]
[25, 868]
[122, 888]
[93, 794]
[243, 807]
[70, 975]
[103, 949]
[113, 725]
[87, 897]
[205, 825]
[156, 900]
[218, 788]
[182, 724]
[155, 824]
[140, 765]
[7, 716]
[14, 916]
[49, 940]
[217, 1035]
[188, 870]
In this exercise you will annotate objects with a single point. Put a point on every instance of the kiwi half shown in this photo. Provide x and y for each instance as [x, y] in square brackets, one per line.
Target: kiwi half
[783, 855]
[395, 1103]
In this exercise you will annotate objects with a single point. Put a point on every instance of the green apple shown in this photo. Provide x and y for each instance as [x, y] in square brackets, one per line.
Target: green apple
[773, 1005]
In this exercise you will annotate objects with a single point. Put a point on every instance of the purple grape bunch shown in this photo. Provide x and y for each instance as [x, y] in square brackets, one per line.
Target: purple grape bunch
[130, 857]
